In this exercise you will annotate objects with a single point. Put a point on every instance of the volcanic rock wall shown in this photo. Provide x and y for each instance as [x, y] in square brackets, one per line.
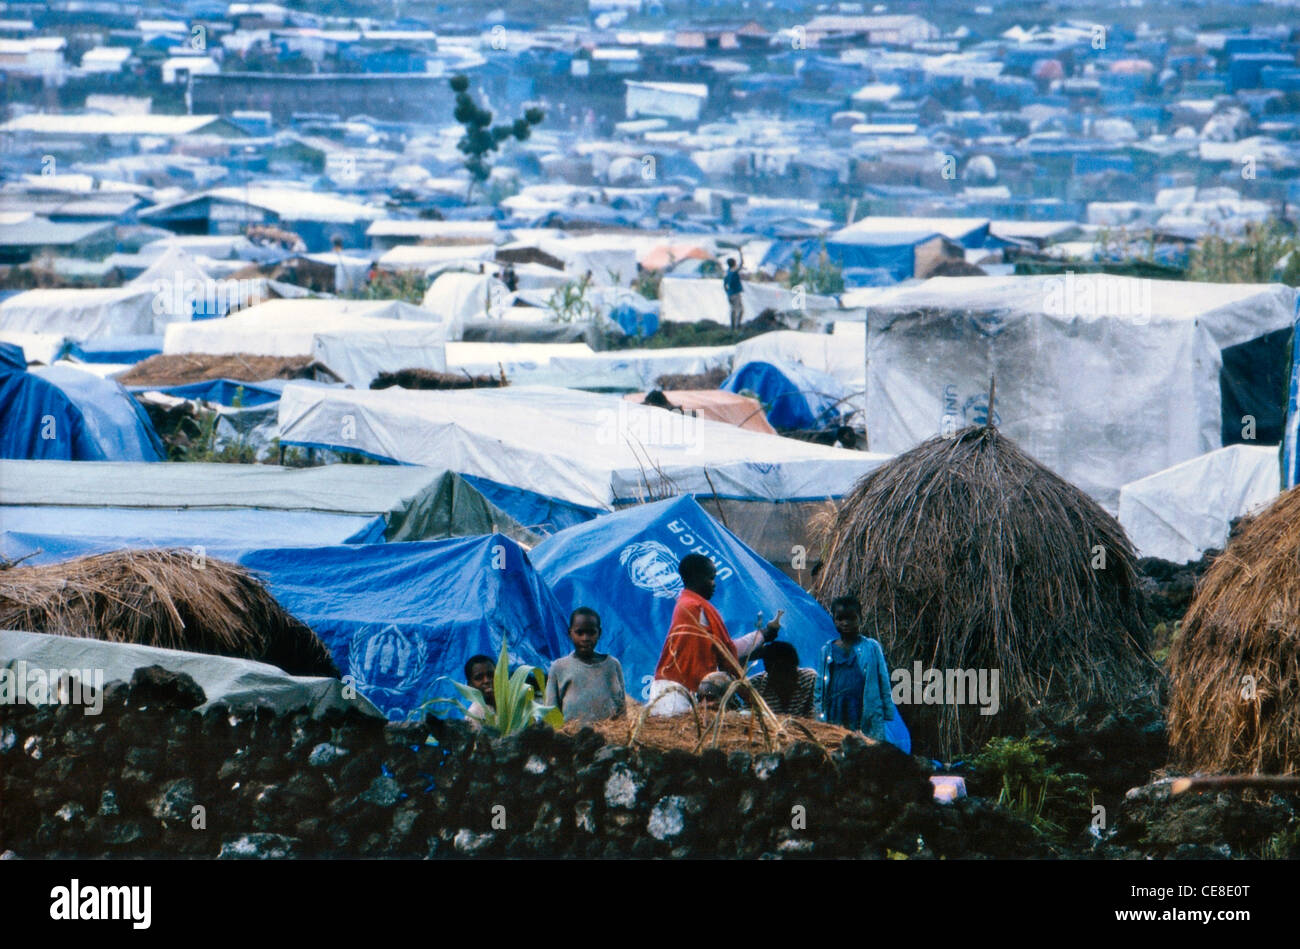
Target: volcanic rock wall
[151, 776]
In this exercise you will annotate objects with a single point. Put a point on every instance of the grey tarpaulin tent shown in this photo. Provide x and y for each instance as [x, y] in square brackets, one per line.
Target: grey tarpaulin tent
[418, 503]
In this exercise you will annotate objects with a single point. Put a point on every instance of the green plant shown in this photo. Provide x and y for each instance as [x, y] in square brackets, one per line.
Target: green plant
[407, 285]
[517, 705]
[481, 136]
[1033, 788]
[647, 283]
[569, 303]
[825, 276]
[1251, 258]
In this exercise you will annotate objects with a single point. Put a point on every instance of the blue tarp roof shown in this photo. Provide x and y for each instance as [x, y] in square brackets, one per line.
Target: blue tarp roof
[62, 413]
[624, 566]
[794, 396]
[396, 617]
[222, 391]
[63, 532]
[117, 349]
[12, 358]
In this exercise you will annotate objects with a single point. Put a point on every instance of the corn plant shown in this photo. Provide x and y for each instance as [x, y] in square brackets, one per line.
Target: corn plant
[517, 705]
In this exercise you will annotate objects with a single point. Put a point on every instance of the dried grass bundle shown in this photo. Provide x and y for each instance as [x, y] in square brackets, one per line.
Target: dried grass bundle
[1235, 667]
[710, 379]
[738, 731]
[161, 598]
[967, 554]
[176, 369]
[431, 379]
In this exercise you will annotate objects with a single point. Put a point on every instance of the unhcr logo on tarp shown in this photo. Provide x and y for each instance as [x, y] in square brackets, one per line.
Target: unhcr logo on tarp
[1092, 296]
[647, 425]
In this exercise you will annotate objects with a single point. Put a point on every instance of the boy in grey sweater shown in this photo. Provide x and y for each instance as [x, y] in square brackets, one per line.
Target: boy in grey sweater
[586, 686]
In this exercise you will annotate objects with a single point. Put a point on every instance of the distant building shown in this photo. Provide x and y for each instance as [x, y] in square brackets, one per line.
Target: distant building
[672, 100]
[897, 30]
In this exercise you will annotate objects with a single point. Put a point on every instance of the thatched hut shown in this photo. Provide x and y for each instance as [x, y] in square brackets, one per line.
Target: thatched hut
[164, 598]
[1234, 668]
[967, 554]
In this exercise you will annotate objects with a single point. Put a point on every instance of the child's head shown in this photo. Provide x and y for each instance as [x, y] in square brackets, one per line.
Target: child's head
[846, 611]
[584, 631]
[698, 574]
[479, 671]
[731, 263]
[780, 659]
[712, 687]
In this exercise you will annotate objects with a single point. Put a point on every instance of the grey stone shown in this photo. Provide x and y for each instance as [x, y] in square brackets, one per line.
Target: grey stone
[258, 847]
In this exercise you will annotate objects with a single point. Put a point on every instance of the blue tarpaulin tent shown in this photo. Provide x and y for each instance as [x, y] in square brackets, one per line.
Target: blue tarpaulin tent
[636, 318]
[397, 617]
[794, 396]
[624, 565]
[62, 413]
[116, 349]
[223, 391]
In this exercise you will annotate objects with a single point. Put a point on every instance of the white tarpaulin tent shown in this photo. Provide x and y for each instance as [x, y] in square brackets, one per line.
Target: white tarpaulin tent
[322, 309]
[608, 259]
[689, 299]
[235, 683]
[1103, 379]
[1180, 513]
[80, 315]
[454, 298]
[522, 362]
[356, 348]
[638, 369]
[841, 356]
[593, 451]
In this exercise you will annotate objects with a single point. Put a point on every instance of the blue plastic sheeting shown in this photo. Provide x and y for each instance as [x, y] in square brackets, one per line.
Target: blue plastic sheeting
[12, 358]
[856, 277]
[636, 321]
[794, 396]
[624, 566]
[63, 532]
[116, 349]
[398, 617]
[894, 254]
[66, 414]
[1291, 436]
[534, 511]
[223, 391]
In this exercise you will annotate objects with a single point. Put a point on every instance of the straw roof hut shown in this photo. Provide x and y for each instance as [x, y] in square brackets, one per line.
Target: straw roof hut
[1235, 666]
[967, 554]
[161, 598]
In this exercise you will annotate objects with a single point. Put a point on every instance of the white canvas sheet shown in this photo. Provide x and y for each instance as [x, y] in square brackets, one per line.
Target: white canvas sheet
[82, 315]
[356, 348]
[637, 369]
[1180, 513]
[582, 448]
[690, 299]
